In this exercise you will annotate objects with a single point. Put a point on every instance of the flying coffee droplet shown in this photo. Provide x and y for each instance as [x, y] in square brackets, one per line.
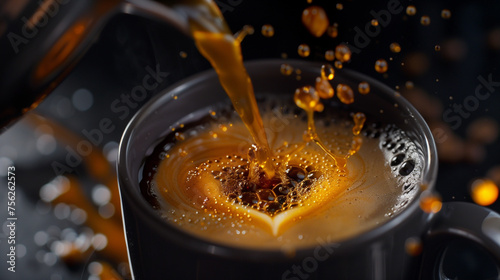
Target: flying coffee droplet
[374, 22]
[395, 47]
[306, 98]
[330, 55]
[363, 87]
[246, 30]
[324, 89]
[286, 69]
[315, 20]
[338, 64]
[425, 20]
[413, 246]
[446, 14]
[183, 54]
[343, 53]
[332, 31]
[339, 6]
[304, 50]
[484, 192]
[345, 94]
[430, 202]
[359, 120]
[267, 30]
[411, 10]
[409, 85]
[327, 72]
[381, 66]
[437, 48]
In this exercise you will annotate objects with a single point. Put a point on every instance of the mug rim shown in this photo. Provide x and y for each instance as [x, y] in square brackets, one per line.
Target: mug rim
[192, 242]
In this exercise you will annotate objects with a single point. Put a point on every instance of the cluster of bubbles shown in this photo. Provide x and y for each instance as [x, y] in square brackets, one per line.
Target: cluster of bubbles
[268, 195]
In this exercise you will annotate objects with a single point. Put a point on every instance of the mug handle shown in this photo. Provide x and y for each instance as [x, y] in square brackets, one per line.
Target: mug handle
[459, 222]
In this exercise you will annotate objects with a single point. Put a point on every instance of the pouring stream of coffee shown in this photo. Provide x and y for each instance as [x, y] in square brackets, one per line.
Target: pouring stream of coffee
[215, 41]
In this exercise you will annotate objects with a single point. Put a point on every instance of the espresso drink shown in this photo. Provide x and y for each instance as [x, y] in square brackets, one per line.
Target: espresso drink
[226, 176]
[198, 178]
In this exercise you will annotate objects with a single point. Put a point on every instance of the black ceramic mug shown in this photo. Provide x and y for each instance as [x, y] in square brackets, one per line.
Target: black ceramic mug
[159, 250]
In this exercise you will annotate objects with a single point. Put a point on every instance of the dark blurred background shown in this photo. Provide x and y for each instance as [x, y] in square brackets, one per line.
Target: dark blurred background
[439, 68]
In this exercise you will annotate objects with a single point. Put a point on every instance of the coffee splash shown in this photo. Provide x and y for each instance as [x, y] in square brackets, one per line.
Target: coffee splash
[197, 186]
[260, 184]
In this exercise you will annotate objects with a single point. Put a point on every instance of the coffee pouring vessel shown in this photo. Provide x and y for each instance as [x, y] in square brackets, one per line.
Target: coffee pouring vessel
[42, 41]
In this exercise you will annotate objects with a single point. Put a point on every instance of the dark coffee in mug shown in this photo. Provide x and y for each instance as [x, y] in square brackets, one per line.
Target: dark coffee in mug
[199, 179]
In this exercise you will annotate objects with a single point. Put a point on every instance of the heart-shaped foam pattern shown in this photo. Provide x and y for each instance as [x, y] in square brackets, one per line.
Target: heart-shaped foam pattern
[186, 182]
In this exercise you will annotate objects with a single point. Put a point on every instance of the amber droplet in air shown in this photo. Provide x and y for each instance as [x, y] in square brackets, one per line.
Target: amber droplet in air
[446, 14]
[338, 64]
[267, 30]
[345, 93]
[409, 85]
[330, 55]
[395, 47]
[411, 10]
[303, 50]
[425, 20]
[484, 192]
[286, 69]
[413, 246]
[240, 35]
[437, 48]
[332, 30]
[430, 202]
[381, 66]
[315, 20]
[327, 72]
[343, 53]
[306, 98]
[374, 22]
[364, 88]
[324, 89]
[359, 120]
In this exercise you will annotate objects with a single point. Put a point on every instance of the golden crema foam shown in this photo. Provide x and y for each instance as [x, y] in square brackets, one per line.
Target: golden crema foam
[197, 178]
